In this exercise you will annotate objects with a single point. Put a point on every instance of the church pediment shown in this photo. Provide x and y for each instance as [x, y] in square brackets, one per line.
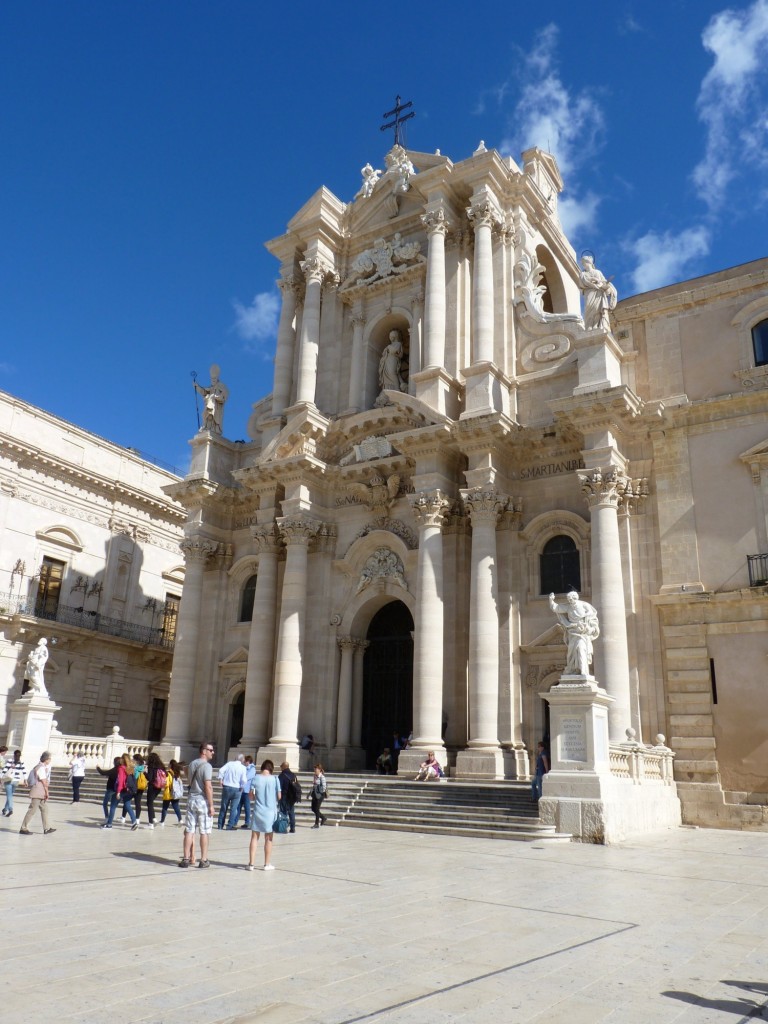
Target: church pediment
[236, 660]
[549, 642]
[757, 454]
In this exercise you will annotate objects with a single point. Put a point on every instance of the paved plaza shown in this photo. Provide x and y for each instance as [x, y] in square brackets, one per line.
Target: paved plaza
[365, 926]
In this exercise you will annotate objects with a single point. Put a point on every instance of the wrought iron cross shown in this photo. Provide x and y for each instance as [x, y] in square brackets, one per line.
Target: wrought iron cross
[398, 120]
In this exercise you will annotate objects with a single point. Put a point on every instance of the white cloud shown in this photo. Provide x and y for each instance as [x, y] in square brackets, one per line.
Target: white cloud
[568, 124]
[578, 215]
[732, 99]
[258, 321]
[661, 258]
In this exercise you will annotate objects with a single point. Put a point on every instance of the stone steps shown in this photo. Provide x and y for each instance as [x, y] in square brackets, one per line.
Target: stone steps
[495, 810]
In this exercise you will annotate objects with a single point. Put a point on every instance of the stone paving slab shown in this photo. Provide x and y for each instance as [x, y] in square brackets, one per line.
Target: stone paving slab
[362, 926]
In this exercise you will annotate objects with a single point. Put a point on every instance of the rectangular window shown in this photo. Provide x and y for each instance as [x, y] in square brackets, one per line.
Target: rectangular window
[49, 588]
[760, 342]
[170, 616]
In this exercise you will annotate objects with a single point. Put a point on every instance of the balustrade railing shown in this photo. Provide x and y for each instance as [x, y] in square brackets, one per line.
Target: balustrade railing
[640, 763]
[99, 752]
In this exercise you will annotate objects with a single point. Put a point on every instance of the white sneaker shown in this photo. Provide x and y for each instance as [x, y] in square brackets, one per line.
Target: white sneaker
[150, 826]
[161, 824]
[248, 867]
[269, 867]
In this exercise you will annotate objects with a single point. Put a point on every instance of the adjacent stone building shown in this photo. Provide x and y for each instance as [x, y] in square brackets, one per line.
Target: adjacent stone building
[90, 560]
[448, 440]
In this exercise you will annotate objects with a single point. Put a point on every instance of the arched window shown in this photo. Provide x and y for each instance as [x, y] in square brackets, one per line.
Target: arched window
[559, 566]
[246, 600]
[760, 343]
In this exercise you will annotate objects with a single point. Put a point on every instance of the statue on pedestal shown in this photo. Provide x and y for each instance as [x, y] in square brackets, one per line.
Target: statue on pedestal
[391, 362]
[578, 620]
[599, 295]
[370, 177]
[215, 395]
[35, 668]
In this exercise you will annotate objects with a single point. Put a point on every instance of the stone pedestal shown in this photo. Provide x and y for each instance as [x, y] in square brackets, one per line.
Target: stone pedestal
[486, 391]
[476, 763]
[435, 386]
[31, 723]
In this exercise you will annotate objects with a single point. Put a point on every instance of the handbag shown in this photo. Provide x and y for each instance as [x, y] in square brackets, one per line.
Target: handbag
[281, 823]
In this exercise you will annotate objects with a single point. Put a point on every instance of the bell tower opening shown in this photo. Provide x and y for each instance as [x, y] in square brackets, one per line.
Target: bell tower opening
[387, 679]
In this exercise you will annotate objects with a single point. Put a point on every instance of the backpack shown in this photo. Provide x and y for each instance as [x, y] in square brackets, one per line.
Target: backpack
[178, 789]
[32, 779]
[296, 791]
[141, 782]
[131, 786]
[161, 777]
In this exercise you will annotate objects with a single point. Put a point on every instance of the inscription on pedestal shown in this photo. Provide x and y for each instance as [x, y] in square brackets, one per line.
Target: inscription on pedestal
[573, 740]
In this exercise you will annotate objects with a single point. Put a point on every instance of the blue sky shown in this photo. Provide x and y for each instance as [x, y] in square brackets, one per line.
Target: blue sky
[151, 147]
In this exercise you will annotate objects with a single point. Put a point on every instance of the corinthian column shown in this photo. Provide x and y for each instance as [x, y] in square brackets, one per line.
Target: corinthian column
[434, 299]
[297, 532]
[315, 270]
[286, 342]
[261, 643]
[197, 553]
[347, 645]
[429, 509]
[357, 692]
[604, 491]
[483, 214]
[358, 361]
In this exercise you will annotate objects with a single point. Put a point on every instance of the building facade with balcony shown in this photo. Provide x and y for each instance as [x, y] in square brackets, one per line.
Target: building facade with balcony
[89, 559]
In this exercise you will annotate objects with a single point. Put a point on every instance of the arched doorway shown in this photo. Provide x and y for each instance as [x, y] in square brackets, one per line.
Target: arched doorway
[387, 679]
[236, 720]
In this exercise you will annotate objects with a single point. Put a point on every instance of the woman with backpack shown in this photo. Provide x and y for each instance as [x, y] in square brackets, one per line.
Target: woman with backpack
[125, 790]
[157, 776]
[14, 774]
[173, 792]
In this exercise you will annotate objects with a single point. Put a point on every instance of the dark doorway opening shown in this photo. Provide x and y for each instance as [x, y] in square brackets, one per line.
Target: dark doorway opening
[236, 727]
[387, 679]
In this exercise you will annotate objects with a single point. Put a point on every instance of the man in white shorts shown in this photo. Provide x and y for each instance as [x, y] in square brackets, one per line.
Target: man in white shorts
[199, 807]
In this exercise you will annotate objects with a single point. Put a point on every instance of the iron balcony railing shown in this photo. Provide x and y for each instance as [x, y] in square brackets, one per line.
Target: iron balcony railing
[758, 570]
[154, 635]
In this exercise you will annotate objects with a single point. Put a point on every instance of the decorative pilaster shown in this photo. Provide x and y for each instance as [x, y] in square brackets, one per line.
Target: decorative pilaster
[604, 491]
[429, 509]
[415, 352]
[296, 532]
[286, 343]
[484, 757]
[483, 213]
[197, 553]
[356, 375]
[261, 644]
[434, 301]
[347, 645]
[361, 647]
[315, 270]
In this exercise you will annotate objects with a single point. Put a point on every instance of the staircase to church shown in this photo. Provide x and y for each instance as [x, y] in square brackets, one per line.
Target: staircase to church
[487, 810]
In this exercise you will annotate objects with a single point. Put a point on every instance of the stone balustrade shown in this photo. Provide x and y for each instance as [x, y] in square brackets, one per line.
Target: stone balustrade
[641, 763]
[99, 751]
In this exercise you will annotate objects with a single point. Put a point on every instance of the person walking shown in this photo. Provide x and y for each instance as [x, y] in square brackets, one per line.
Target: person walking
[125, 790]
[173, 792]
[199, 807]
[38, 795]
[233, 776]
[290, 791]
[76, 775]
[266, 795]
[542, 767]
[319, 793]
[140, 774]
[157, 775]
[109, 790]
[14, 775]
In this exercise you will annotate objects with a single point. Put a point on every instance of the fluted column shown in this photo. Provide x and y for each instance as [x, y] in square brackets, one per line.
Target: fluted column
[197, 553]
[286, 343]
[604, 492]
[261, 644]
[434, 298]
[357, 370]
[483, 214]
[357, 692]
[347, 645]
[429, 509]
[297, 532]
[484, 508]
[315, 270]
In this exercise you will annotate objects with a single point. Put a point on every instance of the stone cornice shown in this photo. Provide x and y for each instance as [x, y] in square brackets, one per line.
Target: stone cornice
[55, 468]
[725, 283]
[618, 409]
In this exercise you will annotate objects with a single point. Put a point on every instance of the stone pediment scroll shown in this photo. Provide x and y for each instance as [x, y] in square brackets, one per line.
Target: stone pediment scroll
[384, 260]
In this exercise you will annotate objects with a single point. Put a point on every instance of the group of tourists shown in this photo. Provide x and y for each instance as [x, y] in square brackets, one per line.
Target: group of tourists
[132, 779]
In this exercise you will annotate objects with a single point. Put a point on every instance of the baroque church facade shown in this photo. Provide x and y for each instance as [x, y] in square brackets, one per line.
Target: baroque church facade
[449, 440]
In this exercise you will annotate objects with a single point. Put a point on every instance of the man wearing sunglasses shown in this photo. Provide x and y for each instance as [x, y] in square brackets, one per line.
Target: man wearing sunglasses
[199, 807]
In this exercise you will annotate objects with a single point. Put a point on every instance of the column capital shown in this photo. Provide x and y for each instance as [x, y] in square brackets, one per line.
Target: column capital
[266, 538]
[297, 529]
[429, 507]
[288, 286]
[435, 222]
[347, 643]
[198, 550]
[484, 507]
[604, 487]
[358, 318]
[483, 212]
[315, 268]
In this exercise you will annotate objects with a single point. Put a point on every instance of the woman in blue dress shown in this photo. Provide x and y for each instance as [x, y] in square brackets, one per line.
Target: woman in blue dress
[265, 794]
